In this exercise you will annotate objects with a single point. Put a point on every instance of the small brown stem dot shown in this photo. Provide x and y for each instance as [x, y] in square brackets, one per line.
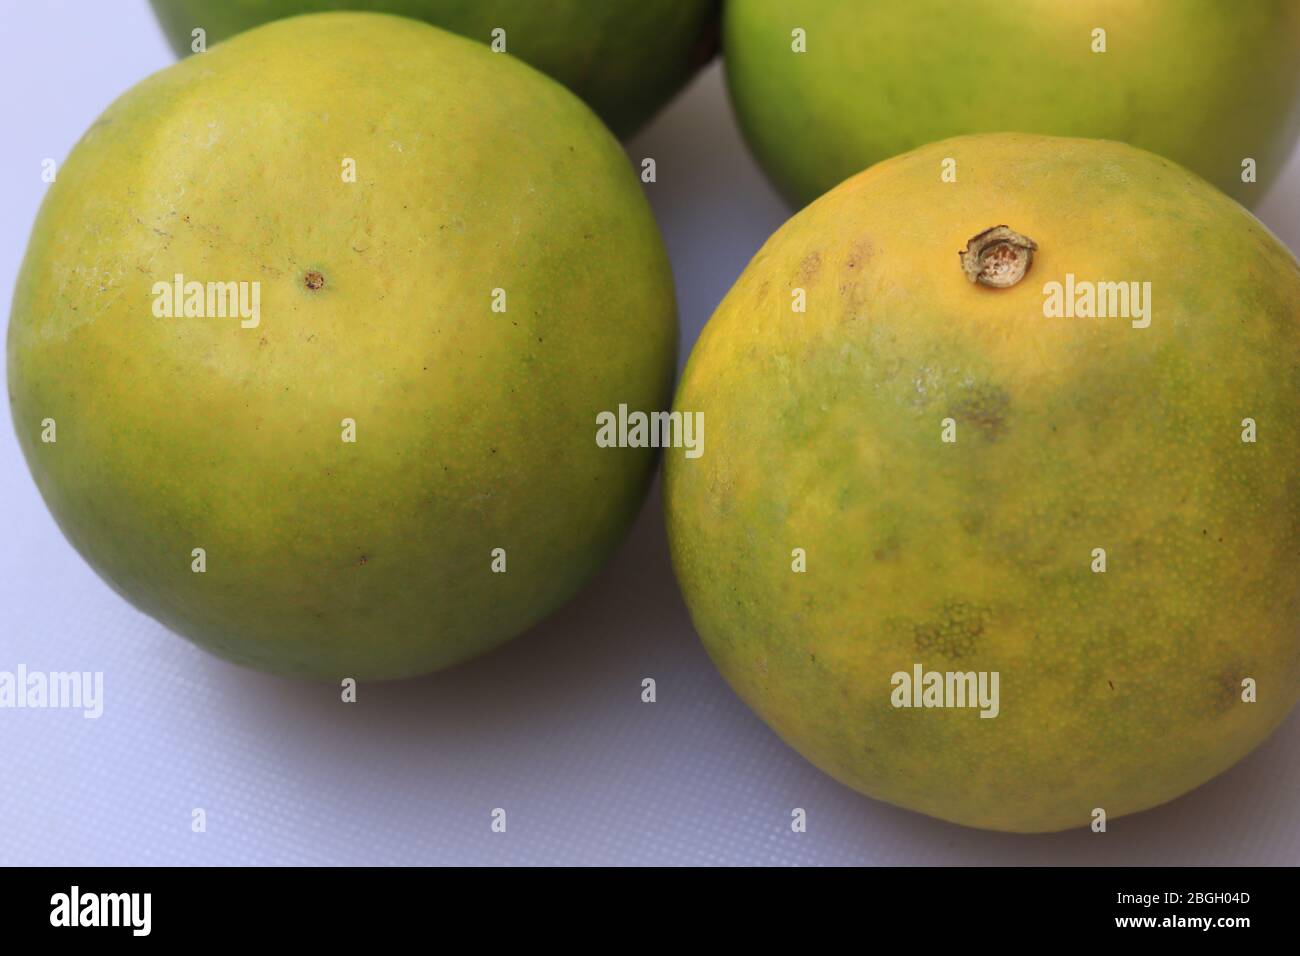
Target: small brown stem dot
[313, 280]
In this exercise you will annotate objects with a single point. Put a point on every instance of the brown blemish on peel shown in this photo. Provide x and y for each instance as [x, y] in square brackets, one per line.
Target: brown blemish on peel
[954, 632]
[859, 253]
[998, 257]
[810, 264]
[1225, 691]
[313, 280]
[984, 406]
[852, 288]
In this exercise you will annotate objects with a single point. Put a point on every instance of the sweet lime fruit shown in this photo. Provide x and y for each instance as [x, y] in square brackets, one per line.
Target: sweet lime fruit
[938, 464]
[1208, 83]
[389, 464]
[626, 58]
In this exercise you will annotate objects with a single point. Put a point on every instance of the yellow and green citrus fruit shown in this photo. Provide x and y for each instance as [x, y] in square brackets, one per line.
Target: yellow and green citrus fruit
[922, 470]
[626, 58]
[826, 88]
[389, 464]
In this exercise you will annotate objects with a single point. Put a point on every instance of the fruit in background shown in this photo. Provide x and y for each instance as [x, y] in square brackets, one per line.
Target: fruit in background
[1119, 689]
[626, 58]
[1206, 83]
[479, 183]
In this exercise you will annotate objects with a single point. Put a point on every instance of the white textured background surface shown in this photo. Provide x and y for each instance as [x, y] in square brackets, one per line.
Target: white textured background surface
[551, 728]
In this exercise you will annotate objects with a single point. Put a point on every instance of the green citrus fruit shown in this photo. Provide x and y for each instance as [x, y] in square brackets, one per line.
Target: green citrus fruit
[386, 463]
[941, 465]
[1208, 83]
[626, 58]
